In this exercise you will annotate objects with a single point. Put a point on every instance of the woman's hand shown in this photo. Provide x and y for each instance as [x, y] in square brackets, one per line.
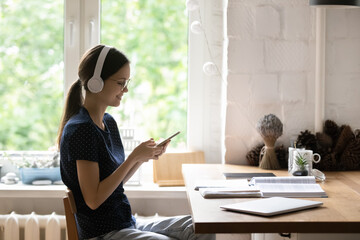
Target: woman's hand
[163, 148]
[147, 150]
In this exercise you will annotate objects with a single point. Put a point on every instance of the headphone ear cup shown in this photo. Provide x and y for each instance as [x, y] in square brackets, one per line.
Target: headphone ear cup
[95, 84]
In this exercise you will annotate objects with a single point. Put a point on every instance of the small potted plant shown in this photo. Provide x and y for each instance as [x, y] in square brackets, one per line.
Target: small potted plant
[301, 165]
[35, 166]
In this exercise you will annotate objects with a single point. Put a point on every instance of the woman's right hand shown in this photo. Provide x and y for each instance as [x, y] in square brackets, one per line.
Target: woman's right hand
[146, 150]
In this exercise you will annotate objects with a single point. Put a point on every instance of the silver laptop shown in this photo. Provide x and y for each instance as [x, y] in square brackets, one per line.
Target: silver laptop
[272, 206]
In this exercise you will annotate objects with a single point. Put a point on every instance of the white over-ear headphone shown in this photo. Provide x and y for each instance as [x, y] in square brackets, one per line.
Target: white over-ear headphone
[96, 83]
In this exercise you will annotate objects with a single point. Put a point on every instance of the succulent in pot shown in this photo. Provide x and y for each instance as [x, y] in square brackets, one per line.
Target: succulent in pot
[301, 166]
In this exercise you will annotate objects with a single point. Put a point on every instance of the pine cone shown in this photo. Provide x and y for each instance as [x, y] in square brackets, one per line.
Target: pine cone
[345, 137]
[306, 140]
[357, 133]
[327, 163]
[332, 129]
[338, 147]
[253, 155]
[324, 140]
[324, 143]
[350, 159]
[282, 156]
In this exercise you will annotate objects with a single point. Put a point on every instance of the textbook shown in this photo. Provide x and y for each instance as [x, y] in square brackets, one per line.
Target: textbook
[304, 186]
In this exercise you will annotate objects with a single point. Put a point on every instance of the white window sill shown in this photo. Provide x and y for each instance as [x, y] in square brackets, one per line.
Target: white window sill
[146, 190]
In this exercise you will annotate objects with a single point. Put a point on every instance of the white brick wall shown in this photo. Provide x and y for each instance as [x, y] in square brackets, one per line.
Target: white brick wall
[267, 21]
[265, 89]
[271, 62]
[248, 56]
[293, 87]
[284, 56]
[343, 56]
[298, 23]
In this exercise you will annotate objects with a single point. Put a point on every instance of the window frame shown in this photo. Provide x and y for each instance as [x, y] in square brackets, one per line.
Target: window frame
[82, 31]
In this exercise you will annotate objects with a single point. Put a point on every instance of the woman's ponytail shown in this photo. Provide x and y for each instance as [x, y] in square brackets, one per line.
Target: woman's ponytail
[74, 102]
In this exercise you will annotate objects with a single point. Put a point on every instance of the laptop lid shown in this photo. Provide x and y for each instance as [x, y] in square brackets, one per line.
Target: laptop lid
[271, 206]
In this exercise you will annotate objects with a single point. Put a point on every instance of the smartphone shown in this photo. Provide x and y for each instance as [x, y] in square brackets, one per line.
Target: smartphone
[165, 141]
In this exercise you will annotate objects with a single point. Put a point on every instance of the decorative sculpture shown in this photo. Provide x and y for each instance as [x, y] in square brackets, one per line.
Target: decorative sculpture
[270, 129]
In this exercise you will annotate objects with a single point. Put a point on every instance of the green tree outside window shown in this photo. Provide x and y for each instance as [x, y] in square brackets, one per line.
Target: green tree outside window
[153, 34]
[31, 73]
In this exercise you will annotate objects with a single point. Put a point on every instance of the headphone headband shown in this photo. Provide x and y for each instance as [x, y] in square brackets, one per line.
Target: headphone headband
[96, 83]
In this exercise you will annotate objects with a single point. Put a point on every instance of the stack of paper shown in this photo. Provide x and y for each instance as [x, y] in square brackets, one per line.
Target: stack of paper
[262, 187]
[288, 186]
[299, 179]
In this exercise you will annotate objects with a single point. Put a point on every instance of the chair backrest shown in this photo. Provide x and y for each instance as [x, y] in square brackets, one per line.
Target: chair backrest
[70, 210]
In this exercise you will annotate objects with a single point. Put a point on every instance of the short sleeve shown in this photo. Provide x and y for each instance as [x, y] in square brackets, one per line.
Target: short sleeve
[83, 143]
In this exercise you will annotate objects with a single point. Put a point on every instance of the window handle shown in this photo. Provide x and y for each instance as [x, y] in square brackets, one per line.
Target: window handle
[91, 31]
[71, 35]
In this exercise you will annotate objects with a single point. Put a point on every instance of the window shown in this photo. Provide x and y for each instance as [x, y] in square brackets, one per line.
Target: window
[152, 33]
[32, 63]
[41, 43]
[31, 73]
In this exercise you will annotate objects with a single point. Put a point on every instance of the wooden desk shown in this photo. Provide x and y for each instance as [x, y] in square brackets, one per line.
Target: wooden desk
[340, 212]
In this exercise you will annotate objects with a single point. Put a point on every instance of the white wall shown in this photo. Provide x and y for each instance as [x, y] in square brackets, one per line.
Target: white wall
[271, 64]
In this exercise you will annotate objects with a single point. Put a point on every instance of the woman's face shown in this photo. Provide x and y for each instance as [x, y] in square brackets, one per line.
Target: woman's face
[114, 89]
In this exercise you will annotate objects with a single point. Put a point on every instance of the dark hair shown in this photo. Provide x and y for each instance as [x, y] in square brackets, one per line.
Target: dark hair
[113, 62]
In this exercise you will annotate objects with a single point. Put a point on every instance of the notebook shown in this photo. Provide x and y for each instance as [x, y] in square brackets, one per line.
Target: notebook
[235, 192]
[272, 206]
[242, 183]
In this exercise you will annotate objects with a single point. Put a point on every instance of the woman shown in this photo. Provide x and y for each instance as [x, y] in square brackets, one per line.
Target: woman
[93, 164]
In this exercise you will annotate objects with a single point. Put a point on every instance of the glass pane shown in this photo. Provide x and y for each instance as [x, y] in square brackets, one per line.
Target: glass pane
[153, 34]
[31, 73]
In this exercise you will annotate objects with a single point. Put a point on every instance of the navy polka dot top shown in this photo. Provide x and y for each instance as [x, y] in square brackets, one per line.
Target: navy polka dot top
[83, 140]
